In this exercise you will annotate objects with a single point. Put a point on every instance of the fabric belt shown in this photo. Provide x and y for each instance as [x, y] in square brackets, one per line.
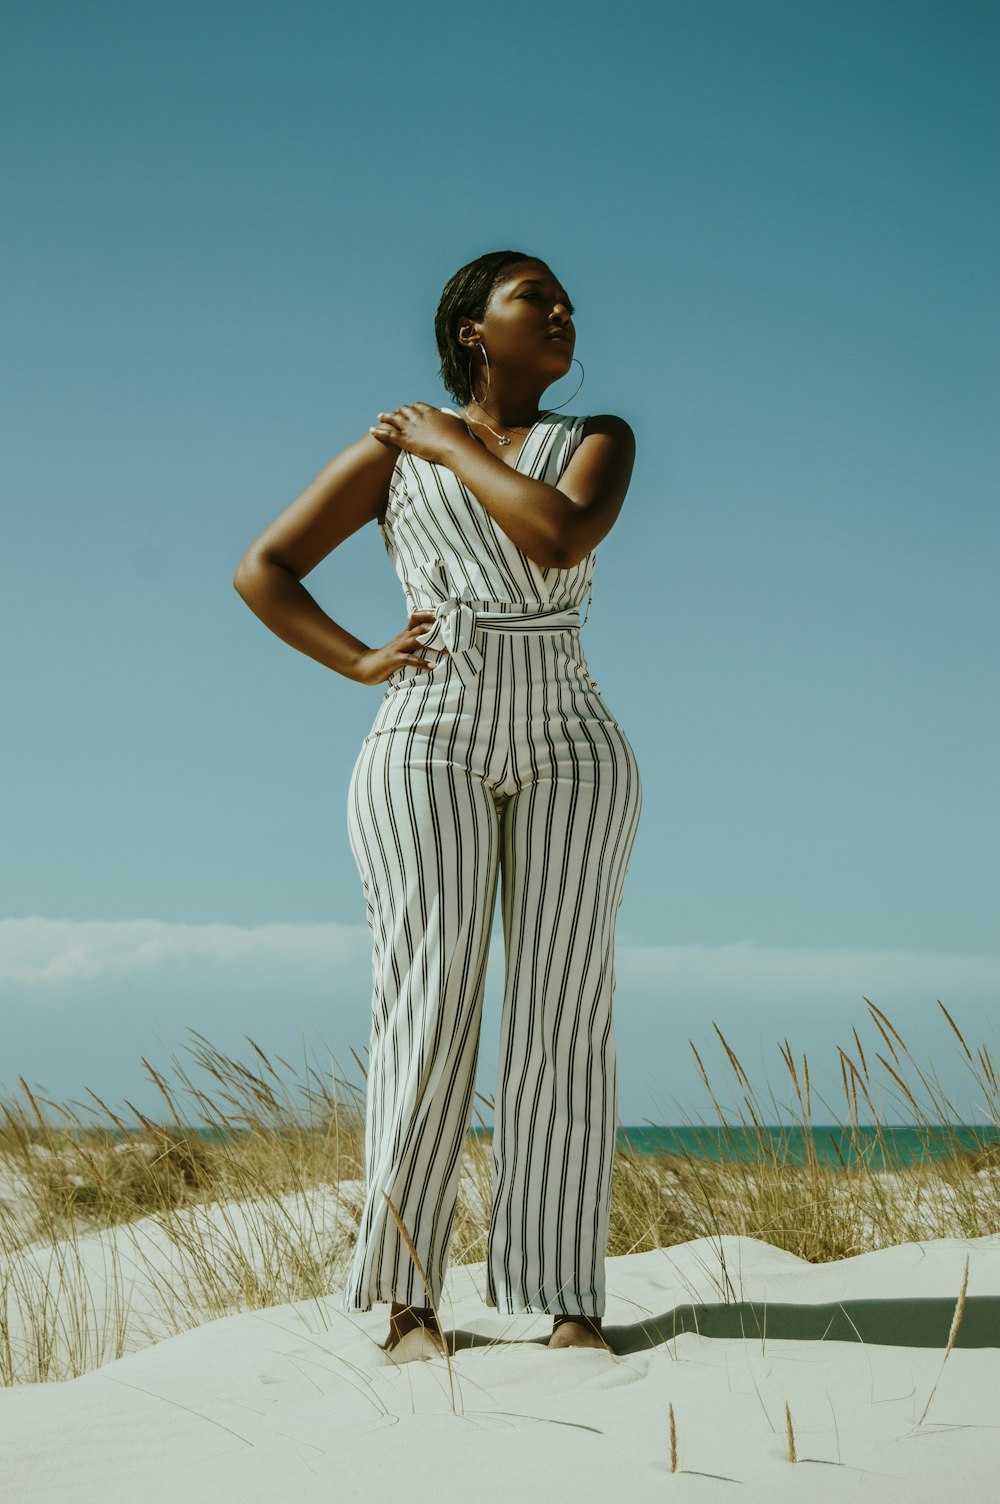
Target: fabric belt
[457, 623]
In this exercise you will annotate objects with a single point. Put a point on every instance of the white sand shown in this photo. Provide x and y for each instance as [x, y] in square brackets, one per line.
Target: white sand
[299, 1403]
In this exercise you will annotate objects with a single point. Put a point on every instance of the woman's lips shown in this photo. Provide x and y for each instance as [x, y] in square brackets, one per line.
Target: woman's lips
[564, 337]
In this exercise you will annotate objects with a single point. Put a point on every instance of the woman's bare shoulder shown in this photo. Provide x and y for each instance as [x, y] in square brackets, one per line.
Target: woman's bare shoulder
[611, 425]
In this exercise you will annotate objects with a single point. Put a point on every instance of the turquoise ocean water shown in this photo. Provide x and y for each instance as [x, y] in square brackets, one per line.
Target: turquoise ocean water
[882, 1148]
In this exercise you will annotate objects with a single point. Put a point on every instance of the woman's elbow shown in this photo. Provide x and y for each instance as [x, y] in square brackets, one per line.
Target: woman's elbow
[556, 549]
[245, 573]
[565, 551]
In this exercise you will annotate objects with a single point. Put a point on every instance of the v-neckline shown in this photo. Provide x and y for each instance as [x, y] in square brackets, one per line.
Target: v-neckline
[514, 465]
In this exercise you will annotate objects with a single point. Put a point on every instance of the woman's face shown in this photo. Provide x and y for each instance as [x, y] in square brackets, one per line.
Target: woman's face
[524, 313]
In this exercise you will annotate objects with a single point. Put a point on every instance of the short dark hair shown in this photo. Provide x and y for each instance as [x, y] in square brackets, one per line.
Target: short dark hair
[466, 294]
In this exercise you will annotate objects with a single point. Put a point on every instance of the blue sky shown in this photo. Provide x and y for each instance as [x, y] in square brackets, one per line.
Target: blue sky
[228, 229]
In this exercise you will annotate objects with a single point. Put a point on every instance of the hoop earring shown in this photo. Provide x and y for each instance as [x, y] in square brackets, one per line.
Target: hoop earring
[489, 377]
[472, 389]
[572, 394]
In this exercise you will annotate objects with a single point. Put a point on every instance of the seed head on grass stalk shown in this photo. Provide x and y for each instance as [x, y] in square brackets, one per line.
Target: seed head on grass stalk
[954, 1025]
[790, 1434]
[956, 1322]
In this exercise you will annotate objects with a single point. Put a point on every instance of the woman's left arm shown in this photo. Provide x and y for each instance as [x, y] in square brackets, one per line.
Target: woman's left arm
[556, 526]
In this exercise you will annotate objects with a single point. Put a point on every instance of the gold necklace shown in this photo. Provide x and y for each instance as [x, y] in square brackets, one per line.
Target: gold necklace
[502, 438]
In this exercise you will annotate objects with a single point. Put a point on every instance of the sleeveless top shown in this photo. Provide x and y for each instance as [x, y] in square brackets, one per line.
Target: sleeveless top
[441, 539]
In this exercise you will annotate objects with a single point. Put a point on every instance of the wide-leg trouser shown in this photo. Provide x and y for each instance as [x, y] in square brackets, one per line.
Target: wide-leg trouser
[522, 774]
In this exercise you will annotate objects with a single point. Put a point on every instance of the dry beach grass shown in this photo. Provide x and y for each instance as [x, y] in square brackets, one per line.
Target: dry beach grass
[263, 1210]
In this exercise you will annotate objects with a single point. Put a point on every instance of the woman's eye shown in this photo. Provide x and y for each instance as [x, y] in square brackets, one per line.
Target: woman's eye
[571, 310]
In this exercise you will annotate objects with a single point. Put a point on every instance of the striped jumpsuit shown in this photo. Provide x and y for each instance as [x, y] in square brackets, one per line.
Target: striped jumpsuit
[503, 759]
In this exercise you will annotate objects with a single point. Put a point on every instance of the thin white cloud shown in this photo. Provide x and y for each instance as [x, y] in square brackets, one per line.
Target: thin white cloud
[36, 951]
[744, 962]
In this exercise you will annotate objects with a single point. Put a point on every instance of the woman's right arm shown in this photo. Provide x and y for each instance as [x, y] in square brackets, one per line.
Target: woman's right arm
[348, 492]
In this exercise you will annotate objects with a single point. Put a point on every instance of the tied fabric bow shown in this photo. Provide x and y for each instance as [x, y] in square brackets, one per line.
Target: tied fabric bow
[455, 628]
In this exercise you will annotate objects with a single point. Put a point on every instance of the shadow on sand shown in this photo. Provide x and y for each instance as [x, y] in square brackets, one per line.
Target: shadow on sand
[890, 1323]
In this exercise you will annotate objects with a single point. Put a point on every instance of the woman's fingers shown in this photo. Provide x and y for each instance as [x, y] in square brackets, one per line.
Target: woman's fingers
[387, 426]
[417, 626]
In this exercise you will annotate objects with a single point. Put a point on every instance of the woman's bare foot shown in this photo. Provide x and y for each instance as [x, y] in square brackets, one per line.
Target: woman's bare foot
[573, 1334]
[418, 1344]
[413, 1334]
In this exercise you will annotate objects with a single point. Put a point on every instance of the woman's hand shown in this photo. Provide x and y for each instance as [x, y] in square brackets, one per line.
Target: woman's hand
[377, 664]
[422, 430]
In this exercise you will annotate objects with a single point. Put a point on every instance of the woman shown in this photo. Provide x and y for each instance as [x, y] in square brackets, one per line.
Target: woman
[492, 753]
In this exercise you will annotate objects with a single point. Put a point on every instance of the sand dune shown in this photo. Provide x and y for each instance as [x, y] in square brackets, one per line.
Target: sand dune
[299, 1402]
